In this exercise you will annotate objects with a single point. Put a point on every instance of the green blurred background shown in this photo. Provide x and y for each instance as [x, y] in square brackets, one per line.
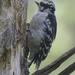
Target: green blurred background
[65, 38]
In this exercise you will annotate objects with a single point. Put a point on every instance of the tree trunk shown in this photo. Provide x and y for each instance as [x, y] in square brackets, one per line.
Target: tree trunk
[13, 54]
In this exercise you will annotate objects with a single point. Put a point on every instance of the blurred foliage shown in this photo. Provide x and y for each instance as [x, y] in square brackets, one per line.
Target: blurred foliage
[65, 39]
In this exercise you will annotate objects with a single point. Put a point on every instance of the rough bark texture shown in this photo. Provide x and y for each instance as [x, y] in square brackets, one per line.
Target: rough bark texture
[13, 17]
[5, 36]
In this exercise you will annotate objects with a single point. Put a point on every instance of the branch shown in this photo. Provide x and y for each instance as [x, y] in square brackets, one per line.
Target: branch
[68, 70]
[51, 67]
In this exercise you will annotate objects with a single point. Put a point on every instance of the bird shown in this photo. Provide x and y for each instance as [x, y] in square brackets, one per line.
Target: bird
[42, 32]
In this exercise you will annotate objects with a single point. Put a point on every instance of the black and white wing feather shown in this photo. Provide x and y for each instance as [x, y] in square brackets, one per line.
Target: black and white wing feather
[46, 43]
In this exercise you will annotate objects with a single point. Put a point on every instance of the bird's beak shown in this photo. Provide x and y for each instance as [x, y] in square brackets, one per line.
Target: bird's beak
[37, 3]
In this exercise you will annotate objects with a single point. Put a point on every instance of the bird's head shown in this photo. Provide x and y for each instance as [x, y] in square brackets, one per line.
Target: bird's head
[46, 6]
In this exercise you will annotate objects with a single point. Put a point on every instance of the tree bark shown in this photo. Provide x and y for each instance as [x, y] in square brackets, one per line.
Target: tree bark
[13, 54]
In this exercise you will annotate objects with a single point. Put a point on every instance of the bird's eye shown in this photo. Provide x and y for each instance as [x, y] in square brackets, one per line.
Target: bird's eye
[41, 4]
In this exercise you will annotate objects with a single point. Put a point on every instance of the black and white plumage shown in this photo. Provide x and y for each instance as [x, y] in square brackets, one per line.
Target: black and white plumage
[43, 31]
